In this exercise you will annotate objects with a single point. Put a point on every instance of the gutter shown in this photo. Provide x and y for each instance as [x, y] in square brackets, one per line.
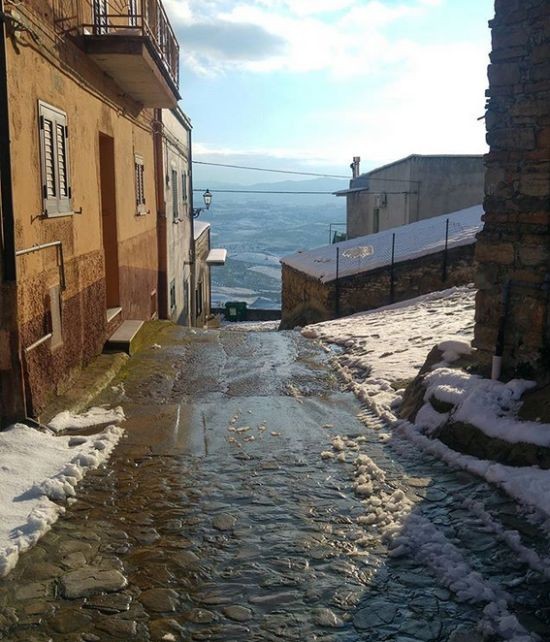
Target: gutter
[6, 208]
[192, 255]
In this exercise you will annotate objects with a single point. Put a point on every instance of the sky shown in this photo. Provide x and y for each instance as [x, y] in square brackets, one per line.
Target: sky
[308, 84]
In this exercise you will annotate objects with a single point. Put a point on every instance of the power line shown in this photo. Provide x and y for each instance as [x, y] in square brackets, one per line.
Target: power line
[296, 173]
[274, 171]
[262, 191]
[259, 191]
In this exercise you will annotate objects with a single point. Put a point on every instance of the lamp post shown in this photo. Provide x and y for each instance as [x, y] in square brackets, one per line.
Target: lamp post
[207, 198]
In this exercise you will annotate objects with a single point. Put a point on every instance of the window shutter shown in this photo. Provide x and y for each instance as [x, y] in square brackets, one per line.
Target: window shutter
[140, 183]
[49, 155]
[54, 160]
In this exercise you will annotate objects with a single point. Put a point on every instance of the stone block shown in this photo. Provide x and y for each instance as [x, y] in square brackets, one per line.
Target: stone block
[535, 183]
[531, 255]
[509, 36]
[502, 253]
[504, 73]
[523, 138]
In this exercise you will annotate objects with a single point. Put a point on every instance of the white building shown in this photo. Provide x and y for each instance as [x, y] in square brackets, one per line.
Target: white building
[411, 189]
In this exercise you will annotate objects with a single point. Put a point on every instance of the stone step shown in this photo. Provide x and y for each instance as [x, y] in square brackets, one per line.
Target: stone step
[125, 338]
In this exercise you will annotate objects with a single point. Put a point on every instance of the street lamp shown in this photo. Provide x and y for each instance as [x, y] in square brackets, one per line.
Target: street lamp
[207, 198]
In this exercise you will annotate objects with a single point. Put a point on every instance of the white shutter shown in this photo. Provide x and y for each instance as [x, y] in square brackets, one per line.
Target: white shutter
[54, 157]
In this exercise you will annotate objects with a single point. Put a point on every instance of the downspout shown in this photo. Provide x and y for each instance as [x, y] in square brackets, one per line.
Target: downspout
[12, 385]
[162, 223]
[8, 226]
[192, 255]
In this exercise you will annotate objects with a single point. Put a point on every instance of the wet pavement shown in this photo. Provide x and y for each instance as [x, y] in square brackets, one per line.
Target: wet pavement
[218, 518]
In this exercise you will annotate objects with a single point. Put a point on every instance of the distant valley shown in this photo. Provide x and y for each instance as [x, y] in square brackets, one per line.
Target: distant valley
[258, 229]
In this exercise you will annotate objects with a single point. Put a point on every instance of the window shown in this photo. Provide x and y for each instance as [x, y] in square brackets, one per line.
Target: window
[198, 299]
[54, 160]
[140, 184]
[184, 187]
[175, 203]
[376, 221]
[172, 295]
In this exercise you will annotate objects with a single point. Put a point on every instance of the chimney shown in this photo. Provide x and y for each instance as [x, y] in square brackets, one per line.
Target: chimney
[355, 166]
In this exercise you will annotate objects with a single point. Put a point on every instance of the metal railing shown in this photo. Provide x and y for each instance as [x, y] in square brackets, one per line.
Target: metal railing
[135, 18]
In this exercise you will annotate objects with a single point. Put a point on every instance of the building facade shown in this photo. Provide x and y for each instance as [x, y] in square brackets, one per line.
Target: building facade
[411, 189]
[513, 249]
[82, 80]
[175, 216]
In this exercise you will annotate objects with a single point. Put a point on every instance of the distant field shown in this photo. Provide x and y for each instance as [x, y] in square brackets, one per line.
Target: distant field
[256, 235]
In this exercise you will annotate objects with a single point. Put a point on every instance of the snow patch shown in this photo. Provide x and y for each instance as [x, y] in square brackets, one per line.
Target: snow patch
[37, 470]
[93, 417]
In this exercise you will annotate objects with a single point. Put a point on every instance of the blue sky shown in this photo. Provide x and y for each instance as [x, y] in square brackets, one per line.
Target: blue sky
[307, 84]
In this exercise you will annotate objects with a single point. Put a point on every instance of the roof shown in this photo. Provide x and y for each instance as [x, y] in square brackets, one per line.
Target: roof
[216, 256]
[411, 157]
[199, 227]
[373, 251]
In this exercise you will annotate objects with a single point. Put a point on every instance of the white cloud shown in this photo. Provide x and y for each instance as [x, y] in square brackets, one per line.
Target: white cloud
[345, 37]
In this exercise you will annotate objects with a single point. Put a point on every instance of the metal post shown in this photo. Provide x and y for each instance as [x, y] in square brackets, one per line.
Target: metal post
[445, 251]
[337, 284]
[392, 283]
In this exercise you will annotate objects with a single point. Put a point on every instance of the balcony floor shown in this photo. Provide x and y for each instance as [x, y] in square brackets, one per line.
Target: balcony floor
[132, 62]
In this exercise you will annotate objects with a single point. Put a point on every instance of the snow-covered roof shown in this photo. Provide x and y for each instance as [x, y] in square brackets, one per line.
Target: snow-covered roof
[199, 227]
[216, 256]
[366, 253]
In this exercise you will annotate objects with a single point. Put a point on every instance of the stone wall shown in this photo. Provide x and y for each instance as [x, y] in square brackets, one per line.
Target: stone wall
[307, 300]
[514, 243]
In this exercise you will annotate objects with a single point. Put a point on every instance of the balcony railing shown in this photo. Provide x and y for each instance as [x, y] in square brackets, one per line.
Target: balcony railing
[146, 18]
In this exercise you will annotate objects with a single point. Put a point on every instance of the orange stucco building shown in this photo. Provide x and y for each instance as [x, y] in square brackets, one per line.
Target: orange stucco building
[81, 80]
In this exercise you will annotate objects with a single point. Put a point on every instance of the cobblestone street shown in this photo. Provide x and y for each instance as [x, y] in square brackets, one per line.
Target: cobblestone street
[218, 519]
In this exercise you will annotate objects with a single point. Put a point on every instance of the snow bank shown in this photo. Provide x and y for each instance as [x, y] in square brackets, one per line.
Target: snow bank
[385, 348]
[488, 405]
[93, 417]
[36, 471]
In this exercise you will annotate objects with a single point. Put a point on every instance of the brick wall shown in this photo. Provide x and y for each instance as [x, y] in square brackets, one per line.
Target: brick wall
[515, 243]
[307, 300]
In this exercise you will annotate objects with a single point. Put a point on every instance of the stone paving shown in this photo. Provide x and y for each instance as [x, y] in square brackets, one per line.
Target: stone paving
[217, 518]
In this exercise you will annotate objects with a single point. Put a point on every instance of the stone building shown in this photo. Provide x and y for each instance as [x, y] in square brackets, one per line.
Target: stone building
[79, 81]
[513, 250]
[411, 189]
[175, 215]
[375, 270]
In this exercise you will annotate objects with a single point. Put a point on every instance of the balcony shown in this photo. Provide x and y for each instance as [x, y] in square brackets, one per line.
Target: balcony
[133, 42]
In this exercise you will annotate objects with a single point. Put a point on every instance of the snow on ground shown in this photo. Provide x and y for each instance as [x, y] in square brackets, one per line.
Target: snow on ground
[252, 326]
[67, 420]
[386, 347]
[38, 471]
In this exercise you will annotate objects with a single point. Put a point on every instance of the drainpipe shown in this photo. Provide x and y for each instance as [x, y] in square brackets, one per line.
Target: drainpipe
[162, 223]
[12, 386]
[496, 366]
[192, 256]
[8, 227]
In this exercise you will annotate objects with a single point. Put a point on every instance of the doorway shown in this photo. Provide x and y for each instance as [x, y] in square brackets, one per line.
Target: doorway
[109, 222]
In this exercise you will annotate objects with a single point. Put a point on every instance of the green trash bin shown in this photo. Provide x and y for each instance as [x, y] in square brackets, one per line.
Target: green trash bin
[235, 311]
